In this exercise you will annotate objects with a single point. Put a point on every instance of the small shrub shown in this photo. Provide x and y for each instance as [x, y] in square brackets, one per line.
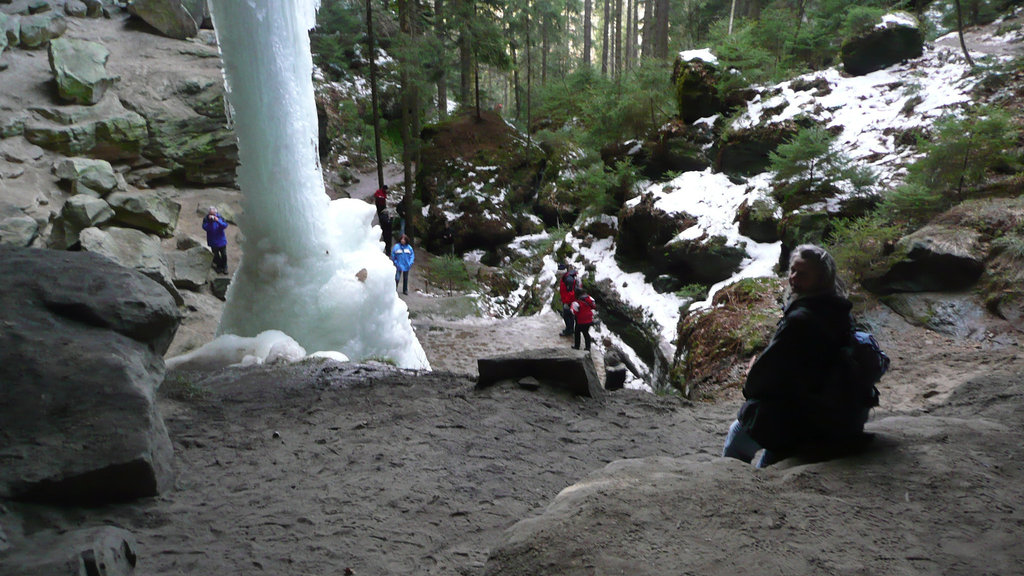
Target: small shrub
[858, 244]
[181, 387]
[449, 272]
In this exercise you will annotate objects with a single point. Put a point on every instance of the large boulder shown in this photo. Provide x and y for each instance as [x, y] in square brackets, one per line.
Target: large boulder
[645, 229]
[87, 175]
[106, 551]
[79, 212]
[38, 29]
[79, 67]
[190, 269]
[171, 18]
[703, 260]
[896, 38]
[935, 258]
[81, 355]
[145, 211]
[572, 370]
[747, 151]
[17, 228]
[132, 249]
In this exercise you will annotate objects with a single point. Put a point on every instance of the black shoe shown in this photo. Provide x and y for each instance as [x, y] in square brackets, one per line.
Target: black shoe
[404, 292]
[575, 347]
[565, 333]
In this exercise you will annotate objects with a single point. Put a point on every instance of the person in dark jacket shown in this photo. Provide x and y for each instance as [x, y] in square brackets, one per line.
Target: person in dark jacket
[792, 389]
[216, 239]
[616, 362]
[583, 310]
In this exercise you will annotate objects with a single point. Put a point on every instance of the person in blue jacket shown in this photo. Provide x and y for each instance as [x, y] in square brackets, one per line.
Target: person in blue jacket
[403, 257]
[215, 225]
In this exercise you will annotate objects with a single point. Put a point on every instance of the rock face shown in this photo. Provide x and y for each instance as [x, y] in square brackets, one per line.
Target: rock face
[562, 368]
[80, 358]
[106, 551]
[893, 40]
[80, 69]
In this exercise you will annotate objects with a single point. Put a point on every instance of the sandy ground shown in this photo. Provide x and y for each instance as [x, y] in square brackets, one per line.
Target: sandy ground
[326, 468]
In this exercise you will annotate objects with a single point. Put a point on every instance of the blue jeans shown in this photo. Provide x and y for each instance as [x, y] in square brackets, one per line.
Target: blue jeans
[739, 445]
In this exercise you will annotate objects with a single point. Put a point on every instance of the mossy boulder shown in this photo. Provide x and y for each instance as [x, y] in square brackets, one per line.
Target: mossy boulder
[897, 37]
[715, 345]
[79, 67]
[935, 258]
[746, 151]
[87, 175]
[759, 220]
[704, 260]
[145, 211]
[644, 229]
[38, 29]
[697, 95]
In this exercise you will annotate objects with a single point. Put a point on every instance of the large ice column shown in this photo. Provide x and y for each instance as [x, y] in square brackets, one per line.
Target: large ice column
[303, 254]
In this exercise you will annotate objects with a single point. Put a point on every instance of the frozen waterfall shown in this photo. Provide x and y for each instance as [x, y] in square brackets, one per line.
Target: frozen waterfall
[303, 254]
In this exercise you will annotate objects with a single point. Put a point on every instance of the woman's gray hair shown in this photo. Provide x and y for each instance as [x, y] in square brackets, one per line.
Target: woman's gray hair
[823, 261]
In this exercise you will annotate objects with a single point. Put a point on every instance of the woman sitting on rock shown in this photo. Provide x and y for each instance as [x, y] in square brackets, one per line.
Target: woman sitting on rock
[793, 388]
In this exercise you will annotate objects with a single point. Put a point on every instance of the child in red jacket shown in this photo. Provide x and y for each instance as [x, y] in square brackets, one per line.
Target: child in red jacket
[583, 310]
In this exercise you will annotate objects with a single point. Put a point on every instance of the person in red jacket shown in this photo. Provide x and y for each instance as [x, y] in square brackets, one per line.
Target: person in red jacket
[380, 200]
[583, 310]
[568, 286]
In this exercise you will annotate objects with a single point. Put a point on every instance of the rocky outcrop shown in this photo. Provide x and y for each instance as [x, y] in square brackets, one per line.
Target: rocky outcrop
[572, 370]
[895, 39]
[106, 551]
[106, 131]
[479, 179]
[935, 258]
[80, 69]
[80, 358]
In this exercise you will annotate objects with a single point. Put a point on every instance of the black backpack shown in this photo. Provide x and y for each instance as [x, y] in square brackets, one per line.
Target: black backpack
[863, 364]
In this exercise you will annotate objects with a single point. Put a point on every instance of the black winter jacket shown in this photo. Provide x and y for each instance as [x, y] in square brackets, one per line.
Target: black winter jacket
[789, 393]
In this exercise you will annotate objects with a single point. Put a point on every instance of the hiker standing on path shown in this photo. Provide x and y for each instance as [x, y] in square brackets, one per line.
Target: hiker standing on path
[403, 257]
[616, 362]
[380, 200]
[790, 403]
[583, 310]
[568, 284]
[216, 239]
